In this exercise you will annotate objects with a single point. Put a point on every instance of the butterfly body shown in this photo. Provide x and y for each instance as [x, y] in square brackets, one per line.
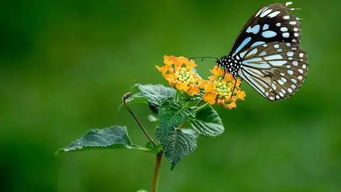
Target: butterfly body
[267, 53]
[231, 64]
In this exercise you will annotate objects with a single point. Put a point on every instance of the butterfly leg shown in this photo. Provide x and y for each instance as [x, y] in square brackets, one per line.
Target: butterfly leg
[234, 86]
[225, 71]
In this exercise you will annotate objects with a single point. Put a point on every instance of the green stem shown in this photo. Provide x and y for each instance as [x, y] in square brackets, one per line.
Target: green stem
[155, 179]
[142, 149]
[200, 107]
[177, 95]
[125, 97]
[199, 102]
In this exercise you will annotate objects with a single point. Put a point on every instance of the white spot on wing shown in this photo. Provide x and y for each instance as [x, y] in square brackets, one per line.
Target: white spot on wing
[277, 63]
[284, 29]
[290, 54]
[265, 13]
[242, 54]
[265, 27]
[255, 72]
[255, 61]
[280, 82]
[284, 79]
[262, 53]
[290, 72]
[257, 43]
[286, 17]
[242, 45]
[283, 91]
[285, 35]
[254, 29]
[252, 52]
[274, 14]
[269, 34]
[288, 3]
[273, 57]
[273, 86]
[293, 22]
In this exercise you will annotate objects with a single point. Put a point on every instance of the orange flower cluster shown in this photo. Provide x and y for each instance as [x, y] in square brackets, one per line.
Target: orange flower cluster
[180, 73]
[220, 88]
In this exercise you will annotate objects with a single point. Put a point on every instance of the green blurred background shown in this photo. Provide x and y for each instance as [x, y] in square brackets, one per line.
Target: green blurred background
[65, 65]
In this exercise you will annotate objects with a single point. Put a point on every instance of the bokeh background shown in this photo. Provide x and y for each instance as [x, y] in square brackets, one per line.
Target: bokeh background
[65, 65]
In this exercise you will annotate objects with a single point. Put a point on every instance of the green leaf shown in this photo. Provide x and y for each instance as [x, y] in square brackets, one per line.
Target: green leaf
[154, 94]
[207, 122]
[177, 143]
[172, 114]
[113, 137]
[194, 98]
[137, 98]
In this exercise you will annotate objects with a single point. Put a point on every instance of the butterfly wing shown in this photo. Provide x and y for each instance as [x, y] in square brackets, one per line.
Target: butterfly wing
[271, 23]
[276, 70]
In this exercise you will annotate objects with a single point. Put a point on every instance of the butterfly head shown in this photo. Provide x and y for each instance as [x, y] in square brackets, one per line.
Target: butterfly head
[230, 64]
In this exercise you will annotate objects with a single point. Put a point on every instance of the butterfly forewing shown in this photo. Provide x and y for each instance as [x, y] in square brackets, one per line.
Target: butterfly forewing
[276, 70]
[272, 23]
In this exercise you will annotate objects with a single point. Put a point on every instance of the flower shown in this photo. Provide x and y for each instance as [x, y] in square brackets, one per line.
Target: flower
[222, 88]
[180, 74]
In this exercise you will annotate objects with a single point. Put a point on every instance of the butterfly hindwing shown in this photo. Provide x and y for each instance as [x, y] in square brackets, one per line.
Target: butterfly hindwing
[272, 23]
[276, 70]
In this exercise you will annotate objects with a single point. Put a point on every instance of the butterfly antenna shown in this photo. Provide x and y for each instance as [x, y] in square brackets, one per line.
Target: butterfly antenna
[202, 58]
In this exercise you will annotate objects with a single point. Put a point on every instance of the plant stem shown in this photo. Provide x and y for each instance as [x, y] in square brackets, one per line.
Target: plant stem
[125, 97]
[155, 179]
[199, 102]
[177, 95]
[179, 127]
[200, 107]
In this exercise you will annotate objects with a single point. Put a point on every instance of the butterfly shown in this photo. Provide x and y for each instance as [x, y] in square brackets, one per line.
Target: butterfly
[267, 53]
